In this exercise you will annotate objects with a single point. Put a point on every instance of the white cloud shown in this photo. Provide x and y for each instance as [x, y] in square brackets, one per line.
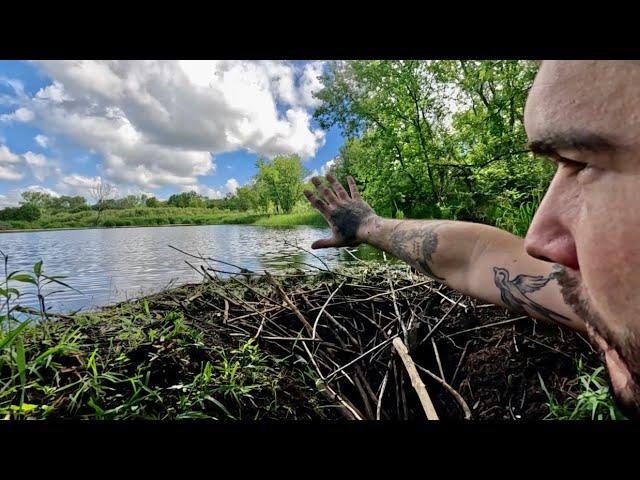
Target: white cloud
[204, 190]
[7, 156]
[80, 182]
[14, 196]
[310, 83]
[324, 169]
[8, 173]
[327, 166]
[157, 123]
[20, 115]
[54, 93]
[42, 140]
[41, 189]
[39, 165]
[212, 192]
[8, 161]
[76, 184]
[232, 185]
[9, 200]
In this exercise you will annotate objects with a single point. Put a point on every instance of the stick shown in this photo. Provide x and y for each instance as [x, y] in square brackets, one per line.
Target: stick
[455, 373]
[437, 354]
[456, 395]
[405, 334]
[487, 326]
[332, 374]
[382, 387]
[225, 319]
[433, 330]
[310, 253]
[357, 300]
[416, 381]
[291, 305]
[315, 324]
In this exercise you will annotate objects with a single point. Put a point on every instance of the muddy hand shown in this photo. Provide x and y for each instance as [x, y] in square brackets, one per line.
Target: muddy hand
[346, 214]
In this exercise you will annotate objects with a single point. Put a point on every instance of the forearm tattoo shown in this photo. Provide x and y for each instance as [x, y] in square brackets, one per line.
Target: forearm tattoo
[514, 293]
[417, 246]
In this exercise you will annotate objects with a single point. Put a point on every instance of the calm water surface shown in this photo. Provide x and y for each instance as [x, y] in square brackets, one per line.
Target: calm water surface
[110, 265]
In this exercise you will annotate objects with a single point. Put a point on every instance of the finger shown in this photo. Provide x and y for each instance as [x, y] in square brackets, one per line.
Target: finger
[353, 188]
[316, 202]
[324, 243]
[337, 187]
[326, 194]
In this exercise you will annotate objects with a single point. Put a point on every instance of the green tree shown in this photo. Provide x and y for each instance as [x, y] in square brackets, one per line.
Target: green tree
[279, 181]
[434, 138]
[153, 202]
[186, 200]
[28, 212]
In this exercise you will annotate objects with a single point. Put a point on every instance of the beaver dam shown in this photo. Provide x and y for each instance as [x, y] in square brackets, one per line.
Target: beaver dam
[371, 341]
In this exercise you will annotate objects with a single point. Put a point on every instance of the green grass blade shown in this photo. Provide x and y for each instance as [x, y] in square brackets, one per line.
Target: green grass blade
[9, 337]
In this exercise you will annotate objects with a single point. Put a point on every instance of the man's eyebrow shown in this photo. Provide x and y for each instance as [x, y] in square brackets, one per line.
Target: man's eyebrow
[581, 141]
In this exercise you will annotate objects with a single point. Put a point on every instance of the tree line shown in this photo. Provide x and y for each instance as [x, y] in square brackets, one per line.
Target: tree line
[276, 188]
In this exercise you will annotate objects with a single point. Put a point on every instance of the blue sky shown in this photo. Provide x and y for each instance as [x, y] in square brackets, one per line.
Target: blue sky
[154, 127]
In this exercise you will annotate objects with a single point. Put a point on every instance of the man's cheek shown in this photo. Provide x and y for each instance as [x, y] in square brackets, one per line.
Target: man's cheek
[610, 268]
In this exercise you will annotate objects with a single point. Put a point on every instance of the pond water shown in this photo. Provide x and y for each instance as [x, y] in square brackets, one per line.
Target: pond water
[108, 265]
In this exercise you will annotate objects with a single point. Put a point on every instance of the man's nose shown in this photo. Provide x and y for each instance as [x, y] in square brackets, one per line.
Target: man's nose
[550, 236]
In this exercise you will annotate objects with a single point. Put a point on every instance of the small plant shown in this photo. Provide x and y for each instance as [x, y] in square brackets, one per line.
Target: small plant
[592, 402]
[12, 345]
[36, 278]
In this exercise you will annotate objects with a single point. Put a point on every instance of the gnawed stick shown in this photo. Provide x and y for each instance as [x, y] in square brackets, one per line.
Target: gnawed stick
[416, 381]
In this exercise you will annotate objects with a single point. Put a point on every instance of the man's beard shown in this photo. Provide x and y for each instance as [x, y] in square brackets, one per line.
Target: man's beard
[627, 348]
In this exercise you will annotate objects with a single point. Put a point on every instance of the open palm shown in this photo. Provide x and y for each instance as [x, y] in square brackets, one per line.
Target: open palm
[347, 215]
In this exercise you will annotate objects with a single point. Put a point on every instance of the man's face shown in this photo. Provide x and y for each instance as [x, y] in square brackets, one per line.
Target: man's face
[586, 116]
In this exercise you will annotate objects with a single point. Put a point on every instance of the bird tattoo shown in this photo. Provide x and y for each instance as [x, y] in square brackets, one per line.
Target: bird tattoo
[514, 293]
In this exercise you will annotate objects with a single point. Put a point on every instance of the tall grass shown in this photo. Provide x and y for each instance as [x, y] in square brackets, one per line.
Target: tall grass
[291, 219]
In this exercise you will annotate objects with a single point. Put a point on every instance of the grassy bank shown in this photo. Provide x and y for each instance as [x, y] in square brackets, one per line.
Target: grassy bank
[144, 217]
[299, 346]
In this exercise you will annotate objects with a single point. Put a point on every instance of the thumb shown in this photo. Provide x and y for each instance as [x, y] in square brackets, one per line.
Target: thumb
[324, 243]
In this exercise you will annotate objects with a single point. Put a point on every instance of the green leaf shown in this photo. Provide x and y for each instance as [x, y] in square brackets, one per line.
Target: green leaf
[53, 279]
[9, 337]
[26, 278]
[37, 268]
[220, 405]
[64, 348]
[24, 408]
[21, 361]
[99, 411]
[4, 292]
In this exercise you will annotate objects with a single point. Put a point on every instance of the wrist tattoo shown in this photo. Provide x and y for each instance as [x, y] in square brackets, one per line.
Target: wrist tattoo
[416, 246]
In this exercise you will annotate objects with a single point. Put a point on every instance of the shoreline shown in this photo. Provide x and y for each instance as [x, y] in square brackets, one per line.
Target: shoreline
[255, 224]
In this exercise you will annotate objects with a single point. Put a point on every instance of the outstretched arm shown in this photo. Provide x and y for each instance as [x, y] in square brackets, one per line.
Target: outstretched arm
[477, 260]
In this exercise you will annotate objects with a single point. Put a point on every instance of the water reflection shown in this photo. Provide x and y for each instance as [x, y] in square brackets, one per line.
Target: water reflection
[110, 265]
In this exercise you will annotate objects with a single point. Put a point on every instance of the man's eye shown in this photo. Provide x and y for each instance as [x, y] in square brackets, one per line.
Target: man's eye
[571, 164]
